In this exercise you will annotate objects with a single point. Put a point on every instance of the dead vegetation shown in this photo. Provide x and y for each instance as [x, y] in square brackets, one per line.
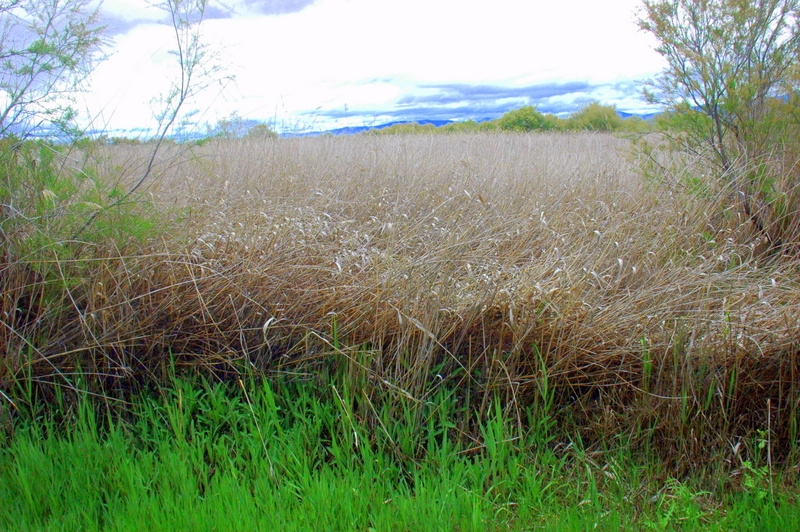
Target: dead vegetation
[542, 269]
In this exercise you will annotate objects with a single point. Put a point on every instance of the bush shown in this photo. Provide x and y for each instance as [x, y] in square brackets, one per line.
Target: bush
[261, 131]
[524, 119]
[596, 117]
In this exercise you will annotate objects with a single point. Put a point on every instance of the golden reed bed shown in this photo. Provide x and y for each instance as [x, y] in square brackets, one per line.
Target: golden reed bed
[537, 267]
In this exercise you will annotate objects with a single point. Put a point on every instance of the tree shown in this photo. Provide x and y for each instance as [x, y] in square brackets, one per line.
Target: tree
[196, 70]
[731, 81]
[524, 119]
[261, 131]
[47, 48]
[596, 117]
[229, 127]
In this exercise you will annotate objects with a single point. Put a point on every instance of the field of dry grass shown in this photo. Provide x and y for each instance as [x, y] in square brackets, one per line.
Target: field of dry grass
[542, 269]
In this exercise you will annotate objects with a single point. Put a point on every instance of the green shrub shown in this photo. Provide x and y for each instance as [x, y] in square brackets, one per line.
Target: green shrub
[524, 119]
[596, 117]
[261, 131]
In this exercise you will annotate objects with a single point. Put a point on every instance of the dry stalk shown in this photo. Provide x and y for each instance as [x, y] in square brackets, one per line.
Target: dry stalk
[449, 261]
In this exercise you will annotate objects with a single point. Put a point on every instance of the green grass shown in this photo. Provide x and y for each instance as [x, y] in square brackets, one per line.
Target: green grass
[277, 456]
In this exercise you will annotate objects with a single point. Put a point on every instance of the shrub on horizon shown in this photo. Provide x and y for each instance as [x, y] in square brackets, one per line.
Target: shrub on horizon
[525, 118]
[595, 117]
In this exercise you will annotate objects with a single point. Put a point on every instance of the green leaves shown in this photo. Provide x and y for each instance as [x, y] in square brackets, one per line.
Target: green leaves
[729, 87]
[48, 47]
[523, 119]
[596, 117]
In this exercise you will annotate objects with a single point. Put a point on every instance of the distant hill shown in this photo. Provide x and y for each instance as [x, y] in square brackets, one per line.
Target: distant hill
[241, 126]
[644, 116]
[353, 130]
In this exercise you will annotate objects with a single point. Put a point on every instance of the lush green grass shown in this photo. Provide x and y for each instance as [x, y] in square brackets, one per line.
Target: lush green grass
[261, 456]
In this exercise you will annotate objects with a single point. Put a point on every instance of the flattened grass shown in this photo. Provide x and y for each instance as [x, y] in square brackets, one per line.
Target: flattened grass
[539, 269]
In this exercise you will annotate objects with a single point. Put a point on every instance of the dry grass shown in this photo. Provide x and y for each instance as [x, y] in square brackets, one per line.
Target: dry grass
[488, 262]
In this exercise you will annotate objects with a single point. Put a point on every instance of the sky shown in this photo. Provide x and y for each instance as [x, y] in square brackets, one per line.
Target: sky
[301, 65]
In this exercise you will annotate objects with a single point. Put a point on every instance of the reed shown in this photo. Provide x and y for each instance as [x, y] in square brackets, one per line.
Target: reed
[541, 269]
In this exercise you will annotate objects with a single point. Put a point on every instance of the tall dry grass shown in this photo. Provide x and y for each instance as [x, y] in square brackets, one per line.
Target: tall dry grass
[539, 268]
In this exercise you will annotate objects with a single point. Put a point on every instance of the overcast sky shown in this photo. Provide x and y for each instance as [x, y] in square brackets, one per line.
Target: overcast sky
[320, 64]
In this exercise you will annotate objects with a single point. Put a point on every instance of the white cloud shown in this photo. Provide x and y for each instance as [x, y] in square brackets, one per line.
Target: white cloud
[130, 10]
[368, 53]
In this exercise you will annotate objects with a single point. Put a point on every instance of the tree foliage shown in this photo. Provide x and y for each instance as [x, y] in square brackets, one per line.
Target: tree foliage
[523, 119]
[593, 117]
[261, 131]
[596, 117]
[47, 48]
[731, 84]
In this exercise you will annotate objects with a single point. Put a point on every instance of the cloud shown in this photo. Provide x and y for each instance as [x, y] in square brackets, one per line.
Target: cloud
[460, 101]
[345, 61]
[458, 93]
[121, 16]
[275, 7]
[244, 9]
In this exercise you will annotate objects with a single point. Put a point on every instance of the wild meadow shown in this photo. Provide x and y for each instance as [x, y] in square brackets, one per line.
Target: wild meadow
[462, 331]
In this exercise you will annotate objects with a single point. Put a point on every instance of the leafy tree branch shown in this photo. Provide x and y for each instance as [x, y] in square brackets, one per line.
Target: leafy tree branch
[197, 70]
[732, 83]
[47, 49]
